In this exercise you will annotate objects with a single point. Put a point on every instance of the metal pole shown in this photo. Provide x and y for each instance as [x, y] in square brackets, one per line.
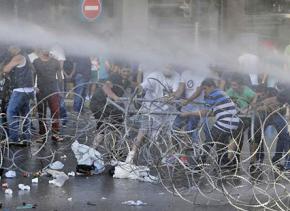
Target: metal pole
[15, 8]
[196, 24]
[221, 20]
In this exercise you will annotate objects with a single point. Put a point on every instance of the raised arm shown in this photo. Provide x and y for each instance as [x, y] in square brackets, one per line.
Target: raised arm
[16, 60]
[107, 88]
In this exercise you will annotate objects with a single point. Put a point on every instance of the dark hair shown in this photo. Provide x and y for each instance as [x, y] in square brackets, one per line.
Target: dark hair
[208, 82]
[238, 78]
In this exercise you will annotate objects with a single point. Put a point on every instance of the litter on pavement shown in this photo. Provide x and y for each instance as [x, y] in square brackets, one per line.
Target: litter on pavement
[10, 174]
[134, 203]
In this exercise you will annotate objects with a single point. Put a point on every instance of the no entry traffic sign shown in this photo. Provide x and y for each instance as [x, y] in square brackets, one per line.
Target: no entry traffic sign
[91, 9]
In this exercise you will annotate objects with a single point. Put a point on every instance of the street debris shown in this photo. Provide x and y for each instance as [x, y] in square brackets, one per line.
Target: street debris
[69, 199]
[24, 187]
[72, 174]
[129, 171]
[134, 203]
[91, 203]
[88, 157]
[10, 174]
[26, 206]
[34, 180]
[103, 198]
[57, 165]
[8, 191]
[63, 157]
[59, 177]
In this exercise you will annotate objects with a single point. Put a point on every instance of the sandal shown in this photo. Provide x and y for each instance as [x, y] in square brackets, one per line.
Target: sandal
[57, 138]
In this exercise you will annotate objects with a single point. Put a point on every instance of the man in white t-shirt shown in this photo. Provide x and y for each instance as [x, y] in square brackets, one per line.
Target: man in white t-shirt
[157, 86]
[191, 83]
[58, 53]
[250, 64]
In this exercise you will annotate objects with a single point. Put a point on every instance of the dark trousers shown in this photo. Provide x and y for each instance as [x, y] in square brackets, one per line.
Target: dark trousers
[279, 122]
[220, 139]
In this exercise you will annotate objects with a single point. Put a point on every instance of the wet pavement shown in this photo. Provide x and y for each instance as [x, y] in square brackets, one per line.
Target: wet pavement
[107, 193]
[101, 192]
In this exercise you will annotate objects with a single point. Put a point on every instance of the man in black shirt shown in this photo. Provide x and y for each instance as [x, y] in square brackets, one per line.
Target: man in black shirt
[114, 88]
[47, 69]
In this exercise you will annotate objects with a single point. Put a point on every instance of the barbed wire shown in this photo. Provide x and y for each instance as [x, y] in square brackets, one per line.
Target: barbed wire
[199, 183]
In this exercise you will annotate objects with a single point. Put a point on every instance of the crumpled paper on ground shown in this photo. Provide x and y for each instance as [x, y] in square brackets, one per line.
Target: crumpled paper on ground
[134, 203]
[129, 171]
[59, 177]
[10, 174]
[24, 187]
[86, 155]
[34, 180]
[72, 174]
[8, 191]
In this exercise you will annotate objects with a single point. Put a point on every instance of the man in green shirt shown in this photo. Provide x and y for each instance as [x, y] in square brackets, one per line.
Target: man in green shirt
[243, 97]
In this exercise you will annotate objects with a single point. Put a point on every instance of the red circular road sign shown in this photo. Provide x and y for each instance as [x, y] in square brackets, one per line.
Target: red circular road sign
[91, 9]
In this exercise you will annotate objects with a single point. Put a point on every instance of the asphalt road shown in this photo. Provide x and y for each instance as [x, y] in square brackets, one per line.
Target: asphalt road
[102, 192]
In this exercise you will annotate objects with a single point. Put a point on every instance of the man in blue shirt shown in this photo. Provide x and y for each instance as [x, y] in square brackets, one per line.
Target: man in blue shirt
[226, 120]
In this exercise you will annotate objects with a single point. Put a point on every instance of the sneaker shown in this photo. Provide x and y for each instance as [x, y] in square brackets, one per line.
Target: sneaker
[130, 157]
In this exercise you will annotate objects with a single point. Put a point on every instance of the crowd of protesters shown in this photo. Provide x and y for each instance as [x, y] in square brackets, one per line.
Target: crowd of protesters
[239, 100]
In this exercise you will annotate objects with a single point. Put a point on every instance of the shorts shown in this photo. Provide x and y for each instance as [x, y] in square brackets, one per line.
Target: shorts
[153, 124]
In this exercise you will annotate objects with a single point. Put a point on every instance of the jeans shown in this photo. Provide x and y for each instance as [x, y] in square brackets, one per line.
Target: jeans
[63, 112]
[191, 124]
[283, 143]
[80, 92]
[18, 106]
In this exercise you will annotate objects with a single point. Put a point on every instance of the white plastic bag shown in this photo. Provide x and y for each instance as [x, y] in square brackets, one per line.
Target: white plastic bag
[59, 177]
[86, 155]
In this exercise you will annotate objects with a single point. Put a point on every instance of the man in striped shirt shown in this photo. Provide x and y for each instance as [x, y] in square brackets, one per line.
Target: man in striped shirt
[226, 122]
